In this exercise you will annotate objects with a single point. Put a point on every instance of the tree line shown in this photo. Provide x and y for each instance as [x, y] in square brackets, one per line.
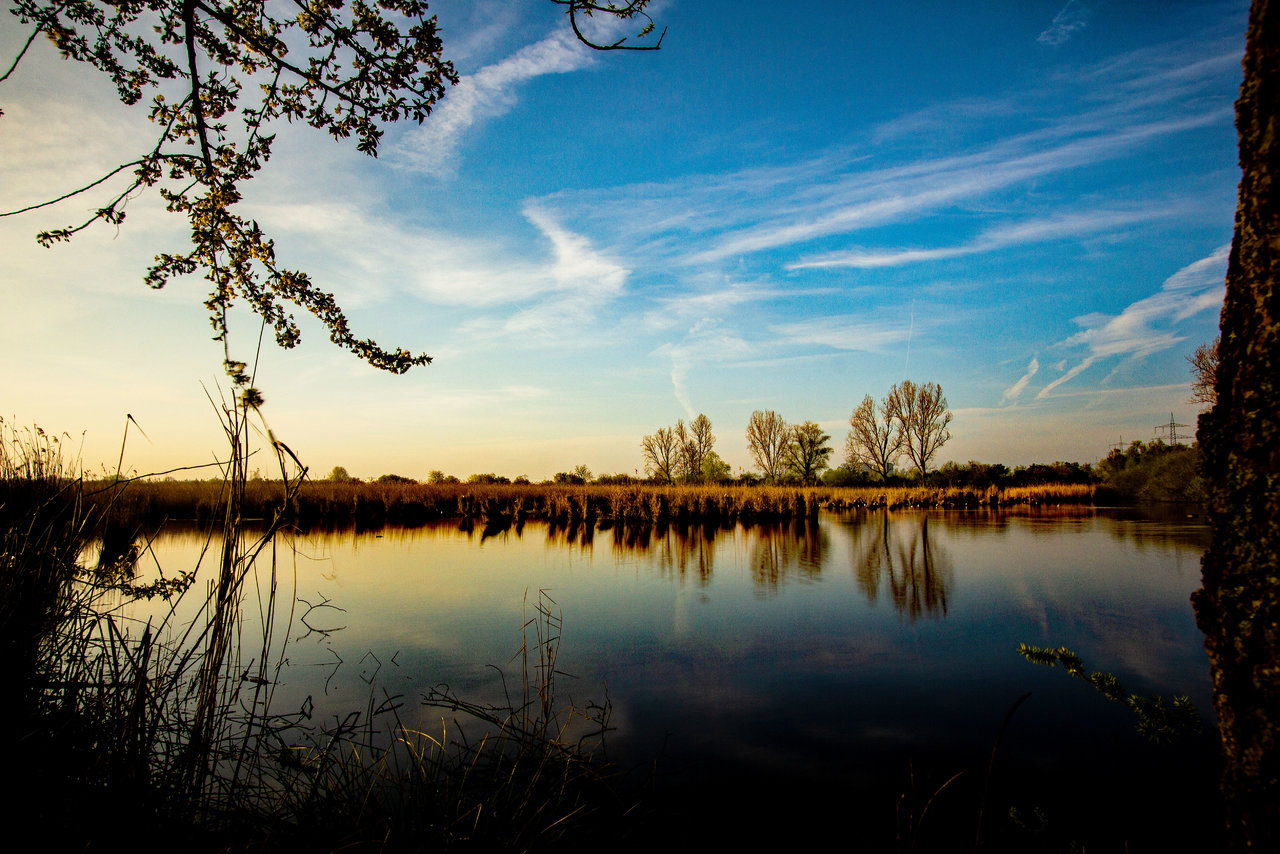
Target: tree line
[912, 420]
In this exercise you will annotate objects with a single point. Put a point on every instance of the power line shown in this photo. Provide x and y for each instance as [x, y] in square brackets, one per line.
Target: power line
[1170, 429]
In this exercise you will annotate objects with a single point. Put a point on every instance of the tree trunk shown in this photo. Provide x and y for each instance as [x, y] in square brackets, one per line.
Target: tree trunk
[1239, 606]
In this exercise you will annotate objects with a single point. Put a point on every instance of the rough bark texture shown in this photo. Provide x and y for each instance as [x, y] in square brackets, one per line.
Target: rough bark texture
[1239, 606]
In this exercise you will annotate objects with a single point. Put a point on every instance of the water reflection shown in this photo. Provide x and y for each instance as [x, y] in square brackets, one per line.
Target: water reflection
[776, 553]
[913, 566]
[864, 641]
[891, 553]
[783, 551]
[905, 559]
[685, 552]
[1161, 527]
[579, 532]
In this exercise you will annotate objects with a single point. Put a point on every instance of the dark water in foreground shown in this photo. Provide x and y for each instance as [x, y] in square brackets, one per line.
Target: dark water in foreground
[793, 682]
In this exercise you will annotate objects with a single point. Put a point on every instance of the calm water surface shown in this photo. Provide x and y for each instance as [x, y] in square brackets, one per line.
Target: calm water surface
[842, 660]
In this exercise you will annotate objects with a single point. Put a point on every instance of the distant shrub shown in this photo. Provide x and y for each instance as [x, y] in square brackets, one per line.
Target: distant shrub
[1058, 472]
[976, 475]
[619, 479]
[715, 470]
[849, 475]
[1153, 471]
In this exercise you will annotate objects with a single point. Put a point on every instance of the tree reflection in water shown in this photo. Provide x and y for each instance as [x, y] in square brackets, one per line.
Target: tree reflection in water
[680, 552]
[916, 570]
[891, 551]
[779, 551]
[895, 553]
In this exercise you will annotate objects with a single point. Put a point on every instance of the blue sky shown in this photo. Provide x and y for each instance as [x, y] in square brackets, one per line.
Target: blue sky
[1029, 203]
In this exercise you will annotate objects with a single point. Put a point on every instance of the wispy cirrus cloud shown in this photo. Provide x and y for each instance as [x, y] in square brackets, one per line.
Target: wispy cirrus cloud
[991, 240]
[847, 332]
[670, 219]
[491, 91]
[926, 121]
[723, 296]
[703, 221]
[852, 202]
[707, 342]
[577, 265]
[558, 280]
[577, 282]
[1078, 121]
[1070, 19]
[1165, 72]
[488, 93]
[1147, 326]
[1013, 392]
[376, 257]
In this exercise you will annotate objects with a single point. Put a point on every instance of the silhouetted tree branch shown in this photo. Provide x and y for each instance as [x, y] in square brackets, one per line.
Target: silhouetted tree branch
[625, 11]
[346, 67]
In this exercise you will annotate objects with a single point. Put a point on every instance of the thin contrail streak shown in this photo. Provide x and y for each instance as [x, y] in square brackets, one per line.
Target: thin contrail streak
[910, 329]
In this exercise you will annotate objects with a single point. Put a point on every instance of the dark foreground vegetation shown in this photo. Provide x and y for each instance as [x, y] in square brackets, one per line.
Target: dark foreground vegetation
[130, 734]
[127, 731]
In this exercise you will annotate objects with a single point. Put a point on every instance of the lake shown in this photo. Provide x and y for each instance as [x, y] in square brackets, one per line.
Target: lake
[782, 682]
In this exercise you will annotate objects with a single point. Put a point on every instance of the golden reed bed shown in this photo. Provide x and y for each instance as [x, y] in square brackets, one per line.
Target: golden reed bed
[324, 502]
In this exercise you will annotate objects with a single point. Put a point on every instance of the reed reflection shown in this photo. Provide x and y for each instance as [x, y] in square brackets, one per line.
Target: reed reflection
[573, 532]
[900, 555]
[634, 539]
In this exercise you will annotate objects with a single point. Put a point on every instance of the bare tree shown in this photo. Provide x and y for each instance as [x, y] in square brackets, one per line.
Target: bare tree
[767, 438]
[679, 452]
[923, 416]
[661, 453]
[807, 452]
[1204, 373]
[875, 439]
[684, 462]
[699, 445]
